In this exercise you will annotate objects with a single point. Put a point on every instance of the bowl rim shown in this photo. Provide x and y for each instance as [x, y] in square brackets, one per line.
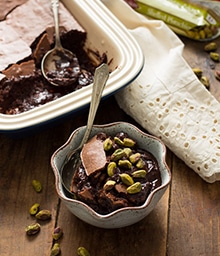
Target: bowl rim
[120, 210]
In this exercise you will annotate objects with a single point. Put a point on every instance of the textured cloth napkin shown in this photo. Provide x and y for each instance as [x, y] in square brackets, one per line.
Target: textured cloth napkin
[167, 99]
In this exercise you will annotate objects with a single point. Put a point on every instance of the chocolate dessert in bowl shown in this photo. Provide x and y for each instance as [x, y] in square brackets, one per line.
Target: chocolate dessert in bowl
[122, 176]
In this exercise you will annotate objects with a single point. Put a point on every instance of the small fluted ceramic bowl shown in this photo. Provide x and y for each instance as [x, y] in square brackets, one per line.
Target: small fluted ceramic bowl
[123, 216]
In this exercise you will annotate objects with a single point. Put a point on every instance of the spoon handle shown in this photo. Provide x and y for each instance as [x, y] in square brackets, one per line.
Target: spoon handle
[55, 9]
[100, 77]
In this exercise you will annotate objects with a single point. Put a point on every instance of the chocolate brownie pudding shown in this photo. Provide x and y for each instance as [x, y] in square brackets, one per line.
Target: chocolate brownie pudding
[22, 85]
[114, 173]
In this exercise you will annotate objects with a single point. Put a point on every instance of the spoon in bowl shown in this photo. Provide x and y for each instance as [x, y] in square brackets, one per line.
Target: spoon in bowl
[73, 160]
[59, 65]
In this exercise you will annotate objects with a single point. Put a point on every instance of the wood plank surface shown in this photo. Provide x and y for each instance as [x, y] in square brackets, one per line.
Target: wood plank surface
[185, 221]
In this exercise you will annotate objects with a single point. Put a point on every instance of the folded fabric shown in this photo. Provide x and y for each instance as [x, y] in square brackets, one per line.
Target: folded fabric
[167, 99]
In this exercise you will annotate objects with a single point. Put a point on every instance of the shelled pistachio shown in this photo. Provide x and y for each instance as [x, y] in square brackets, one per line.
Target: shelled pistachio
[34, 209]
[32, 229]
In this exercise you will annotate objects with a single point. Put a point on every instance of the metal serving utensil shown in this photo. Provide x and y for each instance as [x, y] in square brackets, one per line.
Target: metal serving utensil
[73, 160]
[59, 65]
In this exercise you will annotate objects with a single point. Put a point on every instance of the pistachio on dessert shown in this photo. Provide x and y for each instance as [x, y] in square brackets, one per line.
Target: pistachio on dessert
[114, 173]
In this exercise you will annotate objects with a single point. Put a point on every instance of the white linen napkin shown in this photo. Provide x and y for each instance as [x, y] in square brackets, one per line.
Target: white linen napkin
[167, 99]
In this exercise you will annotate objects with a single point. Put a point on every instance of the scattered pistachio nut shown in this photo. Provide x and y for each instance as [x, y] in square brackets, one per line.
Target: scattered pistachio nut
[212, 46]
[32, 229]
[37, 185]
[110, 168]
[109, 185]
[82, 251]
[34, 209]
[197, 72]
[55, 250]
[139, 174]
[214, 56]
[205, 81]
[107, 144]
[126, 179]
[217, 74]
[43, 215]
[125, 164]
[57, 233]
[134, 188]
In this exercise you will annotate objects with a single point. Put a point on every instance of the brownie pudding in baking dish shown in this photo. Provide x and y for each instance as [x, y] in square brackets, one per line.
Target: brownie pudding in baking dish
[22, 85]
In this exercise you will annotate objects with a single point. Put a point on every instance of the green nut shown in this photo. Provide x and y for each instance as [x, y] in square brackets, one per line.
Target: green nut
[214, 56]
[202, 34]
[134, 157]
[118, 154]
[139, 174]
[134, 188]
[107, 144]
[37, 185]
[197, 72]
[127, 151]
[55, 250]
[126, 179]
[208, 31]
[82, 251]
[43, 215]
[210, 47]
[128, 142]
[34, 209]
[118, 141]
[205, 81]
[32, 229]
[57, 233]
[110, 168]
[109, 185]
[125, 164]
[140, 164]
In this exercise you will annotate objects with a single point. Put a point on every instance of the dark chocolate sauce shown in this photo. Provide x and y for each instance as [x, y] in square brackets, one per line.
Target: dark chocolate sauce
[89, 189]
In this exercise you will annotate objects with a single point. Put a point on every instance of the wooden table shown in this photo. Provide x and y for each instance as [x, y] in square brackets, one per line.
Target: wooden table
[185, 222]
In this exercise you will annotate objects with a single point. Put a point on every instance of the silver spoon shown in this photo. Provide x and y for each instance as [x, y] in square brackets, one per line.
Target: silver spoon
[59, 65]
[73, 158]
